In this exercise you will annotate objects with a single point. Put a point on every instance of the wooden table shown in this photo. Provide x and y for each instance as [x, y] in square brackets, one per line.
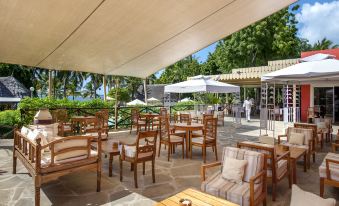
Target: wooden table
[189, 128]
[295, 154]
[78, 121]
[197, 198]
[107, 149]
[149, 118]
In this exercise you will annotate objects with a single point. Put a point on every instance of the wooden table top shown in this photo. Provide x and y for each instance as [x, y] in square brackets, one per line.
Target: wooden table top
[197, 198]
[107, 147]
[82, 117]
[149, 115]
[185, 125]
[295, 153]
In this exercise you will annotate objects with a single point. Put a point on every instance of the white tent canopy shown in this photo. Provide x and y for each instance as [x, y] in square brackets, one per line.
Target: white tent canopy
[323, 70]
[152, 99]
[201, 84]
[136, 102]
[133, 38]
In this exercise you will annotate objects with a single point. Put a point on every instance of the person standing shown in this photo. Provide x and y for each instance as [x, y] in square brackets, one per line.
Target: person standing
[247, 105]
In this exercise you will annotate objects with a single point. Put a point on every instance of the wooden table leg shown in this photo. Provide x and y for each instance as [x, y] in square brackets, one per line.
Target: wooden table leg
[305, 162]
[294, 170]
[187, 142]
[110, 168]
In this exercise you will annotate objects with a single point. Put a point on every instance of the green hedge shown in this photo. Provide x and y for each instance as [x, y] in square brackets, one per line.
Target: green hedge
[31, 105]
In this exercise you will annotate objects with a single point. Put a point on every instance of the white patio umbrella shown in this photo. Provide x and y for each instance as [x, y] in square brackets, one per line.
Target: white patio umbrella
[201, 84]
[185, 100]
[152, 99]
[136, 102]
[323, 70]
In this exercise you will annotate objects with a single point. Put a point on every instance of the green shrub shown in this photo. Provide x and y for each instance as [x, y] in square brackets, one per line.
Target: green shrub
[10, 118]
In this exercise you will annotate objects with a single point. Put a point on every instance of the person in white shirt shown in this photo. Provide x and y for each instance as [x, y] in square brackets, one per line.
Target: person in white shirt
[247, 105]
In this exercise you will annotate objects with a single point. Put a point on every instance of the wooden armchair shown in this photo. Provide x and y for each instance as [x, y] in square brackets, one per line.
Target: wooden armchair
[140, 152]
[136, 121]
[47, 162]
[65, 127]
[168, 138]
[307, 143]
[278, 167]
[310, 114]
[251, 192]
[209, 138]
[317, 135]
[329, 170]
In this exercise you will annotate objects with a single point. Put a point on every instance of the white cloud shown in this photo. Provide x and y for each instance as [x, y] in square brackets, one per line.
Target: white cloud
[318, 21]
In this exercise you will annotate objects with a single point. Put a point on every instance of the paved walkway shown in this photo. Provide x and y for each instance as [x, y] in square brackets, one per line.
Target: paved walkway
[171, 177]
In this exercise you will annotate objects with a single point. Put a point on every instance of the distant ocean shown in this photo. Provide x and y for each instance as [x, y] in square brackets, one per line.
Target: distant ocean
[82, 99]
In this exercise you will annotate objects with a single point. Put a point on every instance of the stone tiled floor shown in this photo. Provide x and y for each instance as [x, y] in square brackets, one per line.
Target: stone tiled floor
[171, 177]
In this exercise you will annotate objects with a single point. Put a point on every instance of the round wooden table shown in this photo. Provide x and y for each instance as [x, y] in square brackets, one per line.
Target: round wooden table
[189, 128]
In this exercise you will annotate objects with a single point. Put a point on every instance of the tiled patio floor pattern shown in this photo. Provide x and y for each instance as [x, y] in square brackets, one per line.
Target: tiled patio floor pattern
[171, 177]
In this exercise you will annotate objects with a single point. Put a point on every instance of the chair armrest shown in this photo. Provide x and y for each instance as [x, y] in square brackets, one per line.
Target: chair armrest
[253, 179]
[328, 172]
[279, 136]
[284, 155]
[334, 147]
[205, 166]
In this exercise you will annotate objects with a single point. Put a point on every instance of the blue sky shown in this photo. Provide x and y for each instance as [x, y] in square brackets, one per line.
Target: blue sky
[308, 26]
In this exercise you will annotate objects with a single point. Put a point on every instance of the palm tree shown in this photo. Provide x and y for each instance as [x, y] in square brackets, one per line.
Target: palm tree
[324, 44]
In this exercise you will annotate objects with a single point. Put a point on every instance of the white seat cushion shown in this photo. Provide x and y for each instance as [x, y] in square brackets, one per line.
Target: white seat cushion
[200, 140]
[334, 168]
[296, 146]
[300, 197]
[216, 185]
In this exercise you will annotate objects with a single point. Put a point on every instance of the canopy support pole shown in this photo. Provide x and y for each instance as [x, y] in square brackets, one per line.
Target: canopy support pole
[145, 90]
[294, 102]
[116, 104]
[49, 83]
[104, 83]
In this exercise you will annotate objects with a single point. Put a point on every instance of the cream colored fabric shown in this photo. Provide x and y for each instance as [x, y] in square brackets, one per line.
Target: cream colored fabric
[34, 134]
[70, 144]
[307, 132]
[134, 38]
[334, 168]
[296, 138]
[217, 186]
[300, 197]
[233, 169]
[24, 130]
[46, 158]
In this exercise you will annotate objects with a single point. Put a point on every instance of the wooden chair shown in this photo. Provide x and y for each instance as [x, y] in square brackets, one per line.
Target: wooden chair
[169, 139]
[185, 118]
[140, 152]
[209, 138]
[329, 170]
[329, 129]
[45, 166]
[252, 190]
[221, 117]
[310, 114]
[277, 167]
[317, 136]
[103, 117]
[65, 127]
[307, 144]
[135, 120]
